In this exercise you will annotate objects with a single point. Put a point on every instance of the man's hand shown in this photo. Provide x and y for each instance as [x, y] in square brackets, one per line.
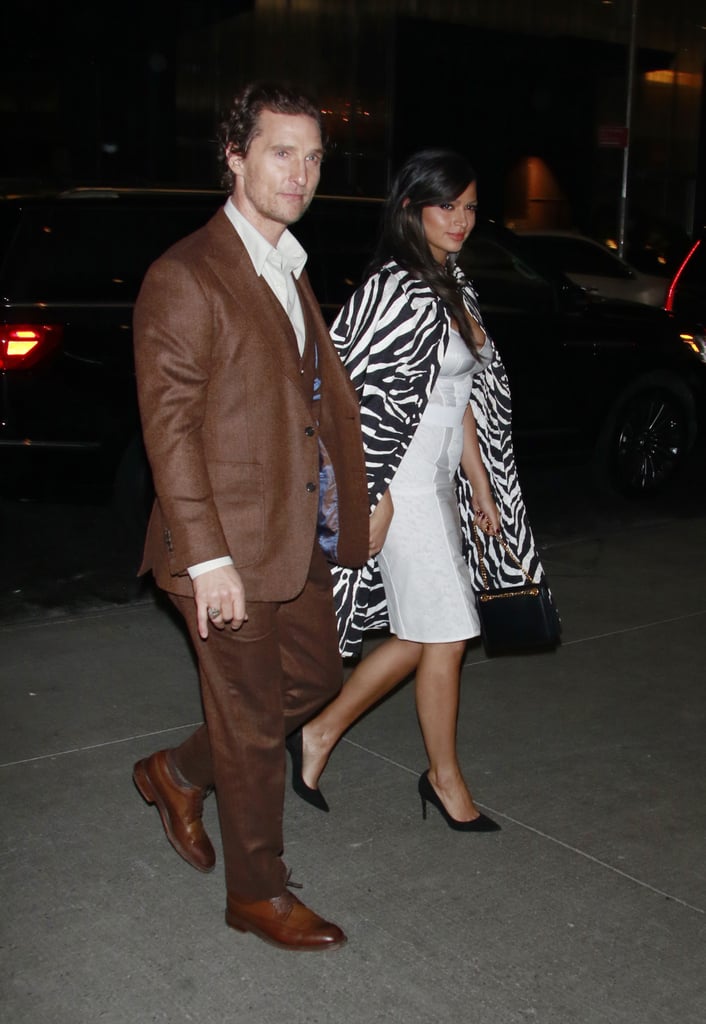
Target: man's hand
[220, 598]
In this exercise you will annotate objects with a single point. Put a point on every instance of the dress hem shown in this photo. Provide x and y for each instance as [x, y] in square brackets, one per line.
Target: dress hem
[436, 640]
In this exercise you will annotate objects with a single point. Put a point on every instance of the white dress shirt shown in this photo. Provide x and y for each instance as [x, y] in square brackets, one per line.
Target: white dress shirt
[278, 266]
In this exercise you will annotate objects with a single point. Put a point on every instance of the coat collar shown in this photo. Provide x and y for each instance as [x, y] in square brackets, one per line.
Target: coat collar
[290, 254]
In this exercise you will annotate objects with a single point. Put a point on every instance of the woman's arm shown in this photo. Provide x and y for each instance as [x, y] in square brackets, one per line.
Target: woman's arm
[484, 507]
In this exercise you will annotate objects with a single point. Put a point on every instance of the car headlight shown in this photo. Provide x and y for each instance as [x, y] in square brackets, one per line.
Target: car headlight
[697, 344]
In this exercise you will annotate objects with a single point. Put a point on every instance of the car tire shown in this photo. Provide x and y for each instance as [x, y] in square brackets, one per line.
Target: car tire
[646, 439]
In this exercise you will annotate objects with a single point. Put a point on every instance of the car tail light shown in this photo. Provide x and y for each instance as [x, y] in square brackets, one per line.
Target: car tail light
[697, 344]
[24, 345]
[669, 304]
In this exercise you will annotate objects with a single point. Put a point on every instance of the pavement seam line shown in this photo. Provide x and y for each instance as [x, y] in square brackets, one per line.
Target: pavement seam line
[632, 629]
[99, 746]
[38, 621]
[409, 771]
[544, 835]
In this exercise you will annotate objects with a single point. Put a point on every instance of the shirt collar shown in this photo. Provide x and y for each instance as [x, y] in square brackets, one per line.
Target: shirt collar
[288, 254]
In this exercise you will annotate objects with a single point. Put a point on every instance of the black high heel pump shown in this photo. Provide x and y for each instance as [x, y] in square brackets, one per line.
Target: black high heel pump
[427, 793]
[295, 745]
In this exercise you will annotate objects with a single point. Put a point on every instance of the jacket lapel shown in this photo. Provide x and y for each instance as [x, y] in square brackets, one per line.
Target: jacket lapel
[271, 325]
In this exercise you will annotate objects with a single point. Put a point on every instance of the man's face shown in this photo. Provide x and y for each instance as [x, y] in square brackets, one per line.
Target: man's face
[276, 180]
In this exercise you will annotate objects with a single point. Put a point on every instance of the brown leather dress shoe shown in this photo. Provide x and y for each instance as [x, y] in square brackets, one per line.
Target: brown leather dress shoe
[180, 806]
[284, 921]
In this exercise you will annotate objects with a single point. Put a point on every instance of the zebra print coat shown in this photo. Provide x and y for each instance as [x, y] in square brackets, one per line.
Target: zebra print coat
[392, 335]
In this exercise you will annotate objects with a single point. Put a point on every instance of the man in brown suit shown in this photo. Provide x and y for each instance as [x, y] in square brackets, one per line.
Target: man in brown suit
[253, 434]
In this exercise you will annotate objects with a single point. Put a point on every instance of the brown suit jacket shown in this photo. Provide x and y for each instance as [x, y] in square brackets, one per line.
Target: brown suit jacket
[227, 421]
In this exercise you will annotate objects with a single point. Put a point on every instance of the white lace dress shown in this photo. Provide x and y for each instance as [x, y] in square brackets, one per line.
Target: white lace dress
[426, 579]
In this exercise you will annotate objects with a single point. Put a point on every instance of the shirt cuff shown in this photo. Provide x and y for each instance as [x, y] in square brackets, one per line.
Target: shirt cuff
[213, 563]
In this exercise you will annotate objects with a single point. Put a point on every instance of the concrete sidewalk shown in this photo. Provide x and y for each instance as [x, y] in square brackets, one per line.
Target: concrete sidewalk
[588, 908]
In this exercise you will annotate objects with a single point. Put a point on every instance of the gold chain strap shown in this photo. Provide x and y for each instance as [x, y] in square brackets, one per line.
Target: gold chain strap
[507, 550]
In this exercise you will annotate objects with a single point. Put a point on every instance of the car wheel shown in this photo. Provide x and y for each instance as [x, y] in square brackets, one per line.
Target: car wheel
[646, 442]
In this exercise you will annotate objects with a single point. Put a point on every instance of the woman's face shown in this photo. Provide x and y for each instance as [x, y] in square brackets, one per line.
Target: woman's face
[448, 225]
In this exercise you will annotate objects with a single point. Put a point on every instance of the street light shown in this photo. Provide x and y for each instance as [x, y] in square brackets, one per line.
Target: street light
[623, 214]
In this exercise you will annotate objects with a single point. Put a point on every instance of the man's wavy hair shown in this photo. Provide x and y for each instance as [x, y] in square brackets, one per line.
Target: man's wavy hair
[241, 126]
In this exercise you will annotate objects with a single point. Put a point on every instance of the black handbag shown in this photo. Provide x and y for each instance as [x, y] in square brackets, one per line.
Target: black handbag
[515, 619]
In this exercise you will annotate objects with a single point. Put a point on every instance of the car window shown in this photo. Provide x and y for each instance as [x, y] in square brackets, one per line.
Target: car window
[502, 279]
[77, 252]
[574, 256]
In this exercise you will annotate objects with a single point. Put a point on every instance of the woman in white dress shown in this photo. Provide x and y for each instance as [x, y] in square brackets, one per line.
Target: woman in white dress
[413, 340]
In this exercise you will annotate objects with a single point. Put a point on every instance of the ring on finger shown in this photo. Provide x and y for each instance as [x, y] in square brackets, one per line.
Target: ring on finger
[213, 613]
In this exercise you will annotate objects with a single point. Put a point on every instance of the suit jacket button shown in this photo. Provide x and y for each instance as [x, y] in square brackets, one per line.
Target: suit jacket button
[309, 431]
[310, 487]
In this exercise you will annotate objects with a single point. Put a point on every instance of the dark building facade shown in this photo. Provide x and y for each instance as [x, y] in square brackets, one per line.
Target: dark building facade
[535, 94]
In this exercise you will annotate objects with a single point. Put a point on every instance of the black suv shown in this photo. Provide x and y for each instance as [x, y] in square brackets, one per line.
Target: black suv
[589, 376]
[70, 269]
[618, 380]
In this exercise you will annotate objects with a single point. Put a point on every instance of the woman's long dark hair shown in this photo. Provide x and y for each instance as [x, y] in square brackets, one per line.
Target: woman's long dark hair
[427, 178]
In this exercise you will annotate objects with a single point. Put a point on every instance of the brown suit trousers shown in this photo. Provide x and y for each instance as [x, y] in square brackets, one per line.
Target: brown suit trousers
[258, 684]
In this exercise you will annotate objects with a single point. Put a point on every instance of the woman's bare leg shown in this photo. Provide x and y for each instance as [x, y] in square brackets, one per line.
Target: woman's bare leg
[374, 677]
[437, 693]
